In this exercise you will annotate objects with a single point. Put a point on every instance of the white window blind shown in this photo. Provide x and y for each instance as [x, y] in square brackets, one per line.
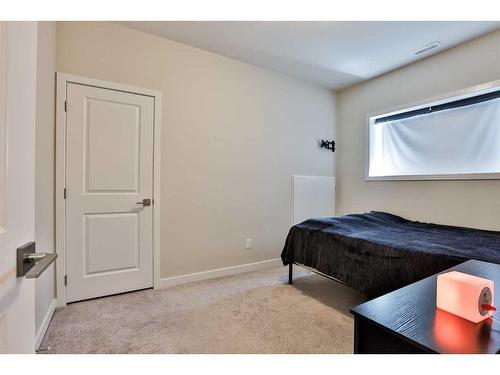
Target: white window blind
[463, 140]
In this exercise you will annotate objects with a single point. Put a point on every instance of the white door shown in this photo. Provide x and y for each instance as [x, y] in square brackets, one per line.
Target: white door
[18, 44]
[109, 170]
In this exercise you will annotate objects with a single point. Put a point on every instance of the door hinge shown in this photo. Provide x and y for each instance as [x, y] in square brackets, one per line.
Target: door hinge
[64, 193]
[65, 106]
[65, 280]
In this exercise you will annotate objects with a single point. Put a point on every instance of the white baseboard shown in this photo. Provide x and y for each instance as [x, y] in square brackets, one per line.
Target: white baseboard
[257, 266]
[45, 324]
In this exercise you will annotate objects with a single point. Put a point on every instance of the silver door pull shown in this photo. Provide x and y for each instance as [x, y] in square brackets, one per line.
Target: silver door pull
[41, 264]
[35, 256]
[145, 202]
[31, 264]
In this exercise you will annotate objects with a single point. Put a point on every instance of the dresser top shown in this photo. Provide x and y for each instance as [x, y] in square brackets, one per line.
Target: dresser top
[411, 314]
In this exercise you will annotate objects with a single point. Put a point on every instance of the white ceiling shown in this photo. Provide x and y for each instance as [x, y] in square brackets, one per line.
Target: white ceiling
[333, 54]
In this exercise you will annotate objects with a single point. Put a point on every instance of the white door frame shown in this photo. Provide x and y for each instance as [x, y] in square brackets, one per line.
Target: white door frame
[62, 81]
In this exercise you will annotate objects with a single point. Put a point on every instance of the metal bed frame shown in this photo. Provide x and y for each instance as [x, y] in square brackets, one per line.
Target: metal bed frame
[311, 269]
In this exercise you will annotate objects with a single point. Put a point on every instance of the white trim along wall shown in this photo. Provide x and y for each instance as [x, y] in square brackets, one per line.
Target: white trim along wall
[227, 271]
[45, 324]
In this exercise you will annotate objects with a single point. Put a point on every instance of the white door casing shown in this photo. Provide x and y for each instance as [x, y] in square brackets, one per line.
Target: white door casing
[110, 166]
[18, 50]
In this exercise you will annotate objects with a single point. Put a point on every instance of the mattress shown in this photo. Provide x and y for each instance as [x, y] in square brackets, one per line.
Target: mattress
[378, 252]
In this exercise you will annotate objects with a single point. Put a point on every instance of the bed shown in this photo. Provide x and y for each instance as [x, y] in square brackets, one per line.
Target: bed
[378, 252]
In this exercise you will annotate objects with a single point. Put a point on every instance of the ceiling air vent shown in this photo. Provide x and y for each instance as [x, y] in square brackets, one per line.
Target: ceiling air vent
[427, 48]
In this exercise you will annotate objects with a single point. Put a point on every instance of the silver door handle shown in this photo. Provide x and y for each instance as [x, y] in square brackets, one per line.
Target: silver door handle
[41, 264]
[30, 263]
[35, 256]
[145, 202]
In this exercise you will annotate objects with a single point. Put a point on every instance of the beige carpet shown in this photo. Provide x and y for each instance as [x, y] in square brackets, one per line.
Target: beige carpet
[256, 312]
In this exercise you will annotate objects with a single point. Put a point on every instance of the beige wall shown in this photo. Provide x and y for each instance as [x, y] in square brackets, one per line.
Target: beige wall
[232, 135]
[469, 203]
[44, 163]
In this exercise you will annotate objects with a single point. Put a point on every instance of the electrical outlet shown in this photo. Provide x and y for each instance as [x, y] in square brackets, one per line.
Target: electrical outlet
[248, 243]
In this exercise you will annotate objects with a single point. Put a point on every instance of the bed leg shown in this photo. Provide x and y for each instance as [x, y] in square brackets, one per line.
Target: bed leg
[290, 274]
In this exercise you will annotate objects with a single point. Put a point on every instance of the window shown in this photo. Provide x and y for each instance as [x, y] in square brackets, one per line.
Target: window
[457, 137]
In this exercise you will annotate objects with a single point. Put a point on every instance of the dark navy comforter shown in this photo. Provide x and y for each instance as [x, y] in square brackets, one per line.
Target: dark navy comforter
[378, 252]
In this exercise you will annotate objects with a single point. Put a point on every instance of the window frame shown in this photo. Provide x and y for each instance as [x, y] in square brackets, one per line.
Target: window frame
[431, 101]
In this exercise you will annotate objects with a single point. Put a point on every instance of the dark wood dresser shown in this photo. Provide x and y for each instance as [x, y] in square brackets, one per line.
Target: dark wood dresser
[407, 320]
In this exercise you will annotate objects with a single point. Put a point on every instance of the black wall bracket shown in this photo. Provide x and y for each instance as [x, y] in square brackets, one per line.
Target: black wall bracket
[329, 145]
